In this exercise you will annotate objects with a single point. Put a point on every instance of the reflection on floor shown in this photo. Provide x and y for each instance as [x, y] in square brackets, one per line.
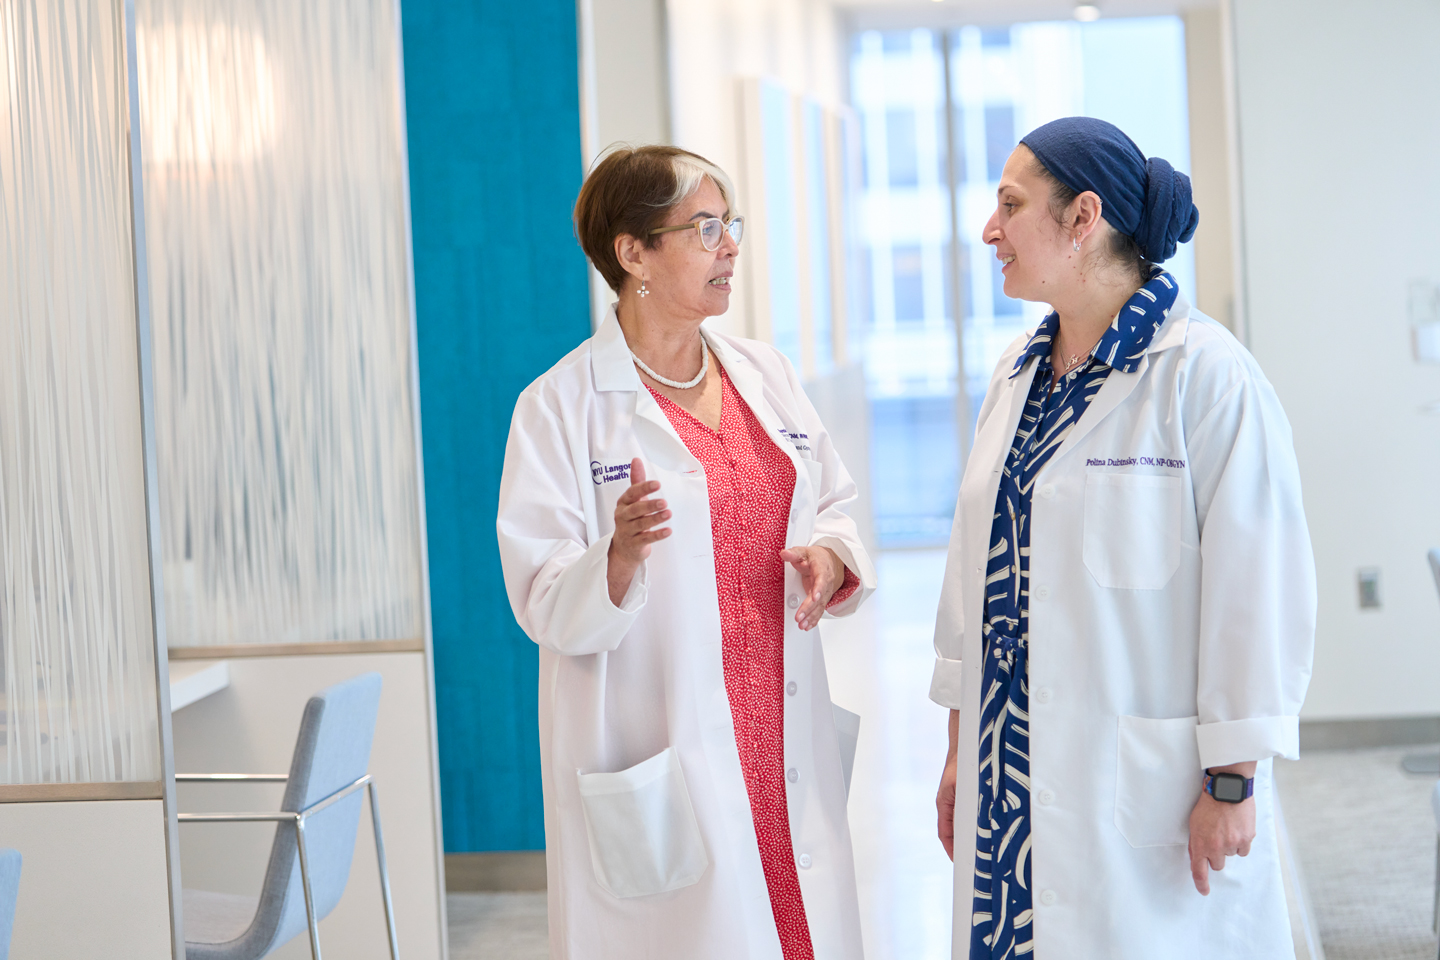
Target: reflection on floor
[1365, 838]
[879, 663]
[488, 926]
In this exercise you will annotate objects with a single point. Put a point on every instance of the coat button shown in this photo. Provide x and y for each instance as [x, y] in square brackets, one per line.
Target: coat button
[1047, 797]
[1040, 593]
[792, 601]
[805, 861]
[1043, 695]
[792, 687]
[792, 774]
[1048, 897]
[1048, 491]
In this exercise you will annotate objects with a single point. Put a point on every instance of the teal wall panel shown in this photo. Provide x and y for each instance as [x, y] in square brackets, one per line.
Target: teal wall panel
[492, 97]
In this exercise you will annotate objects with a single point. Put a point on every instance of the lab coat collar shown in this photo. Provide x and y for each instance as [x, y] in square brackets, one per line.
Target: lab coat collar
[610, 359]
[1126, 342]
[614, 368]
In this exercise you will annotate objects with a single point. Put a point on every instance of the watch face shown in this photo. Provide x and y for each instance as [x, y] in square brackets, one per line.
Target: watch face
[1229, 787]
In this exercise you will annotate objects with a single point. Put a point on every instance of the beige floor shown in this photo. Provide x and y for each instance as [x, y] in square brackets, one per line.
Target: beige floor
[1362, 828]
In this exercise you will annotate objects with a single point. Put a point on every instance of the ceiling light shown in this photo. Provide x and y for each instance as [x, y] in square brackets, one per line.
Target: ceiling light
[1087, 12]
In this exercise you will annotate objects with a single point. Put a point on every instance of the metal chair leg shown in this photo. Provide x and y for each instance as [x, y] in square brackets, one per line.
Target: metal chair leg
[384, 873]
[305, 885]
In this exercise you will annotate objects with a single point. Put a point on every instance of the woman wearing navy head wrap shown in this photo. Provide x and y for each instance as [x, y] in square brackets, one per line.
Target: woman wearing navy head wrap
[1125, 633]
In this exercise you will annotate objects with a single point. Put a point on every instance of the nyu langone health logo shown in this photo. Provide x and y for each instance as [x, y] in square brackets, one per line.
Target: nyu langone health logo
[1132, 461]
[603, 474]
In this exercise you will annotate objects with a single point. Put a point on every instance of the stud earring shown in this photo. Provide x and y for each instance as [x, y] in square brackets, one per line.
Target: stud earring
[645, 293]
[1076, 241]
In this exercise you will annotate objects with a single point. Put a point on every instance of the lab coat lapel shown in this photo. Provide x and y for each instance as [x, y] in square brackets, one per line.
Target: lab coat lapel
[750, 384]
[614, 370]
[1119, 384]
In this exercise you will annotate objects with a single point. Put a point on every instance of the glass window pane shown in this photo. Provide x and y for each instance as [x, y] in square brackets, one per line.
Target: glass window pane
[900, 147]
[77, 666]
[999, 138]
[275, 202]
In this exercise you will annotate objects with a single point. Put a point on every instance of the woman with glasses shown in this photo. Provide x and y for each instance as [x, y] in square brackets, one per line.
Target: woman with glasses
[672, 527]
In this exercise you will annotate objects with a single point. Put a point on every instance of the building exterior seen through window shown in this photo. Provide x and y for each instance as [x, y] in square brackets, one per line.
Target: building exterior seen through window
[1003, 82]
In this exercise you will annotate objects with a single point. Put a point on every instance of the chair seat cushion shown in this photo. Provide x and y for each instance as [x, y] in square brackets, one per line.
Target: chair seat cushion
[214, 918]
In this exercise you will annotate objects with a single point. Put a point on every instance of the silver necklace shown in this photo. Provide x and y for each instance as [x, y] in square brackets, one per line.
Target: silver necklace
[704, 369]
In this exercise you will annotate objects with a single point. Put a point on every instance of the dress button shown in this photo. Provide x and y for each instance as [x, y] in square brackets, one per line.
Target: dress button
[1048, 491]
[792, 601]
[1040, 593]
[1047, 797]
[1048, 897]
[805, 861]
[792, 687]
[792, 775]
[1043, 695]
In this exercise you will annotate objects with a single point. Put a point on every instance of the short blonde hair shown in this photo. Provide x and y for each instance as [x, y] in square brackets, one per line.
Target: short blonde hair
[630, 191]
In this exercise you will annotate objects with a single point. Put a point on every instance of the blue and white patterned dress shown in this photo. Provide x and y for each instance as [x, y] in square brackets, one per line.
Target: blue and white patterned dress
[1000, 925]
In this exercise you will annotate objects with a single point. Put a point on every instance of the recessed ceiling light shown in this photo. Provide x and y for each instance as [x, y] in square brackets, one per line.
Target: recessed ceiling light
[1087, 12]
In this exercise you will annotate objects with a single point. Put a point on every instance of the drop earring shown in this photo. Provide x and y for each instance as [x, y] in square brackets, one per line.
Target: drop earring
[1076, 241]
[645, 293]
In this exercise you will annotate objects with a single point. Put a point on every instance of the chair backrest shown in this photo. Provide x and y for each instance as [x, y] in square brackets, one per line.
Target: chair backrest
[9, 890]
[332, 751]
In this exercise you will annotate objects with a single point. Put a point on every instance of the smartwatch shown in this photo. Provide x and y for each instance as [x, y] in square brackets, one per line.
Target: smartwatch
[1229, 787]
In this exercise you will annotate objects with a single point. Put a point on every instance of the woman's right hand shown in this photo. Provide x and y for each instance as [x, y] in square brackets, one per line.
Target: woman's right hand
[635, 531]
[945, 797]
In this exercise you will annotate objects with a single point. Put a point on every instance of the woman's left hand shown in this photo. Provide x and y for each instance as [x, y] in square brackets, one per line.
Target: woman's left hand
[1219, 830]
[821, 574]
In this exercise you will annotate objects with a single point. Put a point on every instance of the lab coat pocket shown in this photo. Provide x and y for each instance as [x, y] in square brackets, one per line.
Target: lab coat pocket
[1157, 780]
[847, 731]
[644, 838]
[1132, 529]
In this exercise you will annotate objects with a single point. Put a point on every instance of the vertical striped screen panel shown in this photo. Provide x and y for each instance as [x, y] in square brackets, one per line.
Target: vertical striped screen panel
[275, 204]
[76, 640]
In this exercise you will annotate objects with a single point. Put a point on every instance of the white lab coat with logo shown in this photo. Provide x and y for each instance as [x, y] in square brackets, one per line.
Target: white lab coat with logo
[1172, 616]
[650, 843]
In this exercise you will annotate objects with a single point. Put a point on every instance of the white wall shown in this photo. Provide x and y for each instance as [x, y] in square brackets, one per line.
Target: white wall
[1339, 130]
[1210, 157]
[93, 884]
[251, 727]
[713, 43]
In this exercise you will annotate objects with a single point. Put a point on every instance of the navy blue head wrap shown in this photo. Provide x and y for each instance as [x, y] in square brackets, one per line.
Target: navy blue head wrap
[1145, 199]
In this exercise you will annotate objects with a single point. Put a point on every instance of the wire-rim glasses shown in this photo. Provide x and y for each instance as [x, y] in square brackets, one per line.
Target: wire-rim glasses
[712, 230]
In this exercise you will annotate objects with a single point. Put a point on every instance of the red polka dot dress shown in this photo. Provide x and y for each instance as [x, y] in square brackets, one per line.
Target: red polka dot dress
[751, 482]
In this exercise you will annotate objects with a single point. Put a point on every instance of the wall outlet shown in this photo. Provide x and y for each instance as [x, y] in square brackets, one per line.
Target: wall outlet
[1426, 341]
[1425, 321]
[1368, 579]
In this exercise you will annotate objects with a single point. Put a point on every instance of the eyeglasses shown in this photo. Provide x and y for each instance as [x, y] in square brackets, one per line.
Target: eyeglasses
[712, 230]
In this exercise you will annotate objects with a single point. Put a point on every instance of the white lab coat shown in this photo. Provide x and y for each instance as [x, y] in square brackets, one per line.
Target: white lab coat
[650, 844]
[1172, 616]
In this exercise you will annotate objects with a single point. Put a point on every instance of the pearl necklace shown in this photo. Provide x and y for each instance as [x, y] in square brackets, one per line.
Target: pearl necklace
[704, 369]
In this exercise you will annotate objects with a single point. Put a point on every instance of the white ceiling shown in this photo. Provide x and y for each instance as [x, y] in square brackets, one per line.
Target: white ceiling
[897, 14]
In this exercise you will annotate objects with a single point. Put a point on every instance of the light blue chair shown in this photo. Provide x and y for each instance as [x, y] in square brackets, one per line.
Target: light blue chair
[9, 890]
[315, 839]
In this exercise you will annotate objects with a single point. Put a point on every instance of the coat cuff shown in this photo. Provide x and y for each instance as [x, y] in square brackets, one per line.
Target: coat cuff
[1238, 741]
[634, 597]
[945, 683]
[849, 604]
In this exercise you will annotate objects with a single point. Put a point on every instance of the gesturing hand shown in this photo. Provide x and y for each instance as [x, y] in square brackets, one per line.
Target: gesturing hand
[635, 531]
[1219, 830]
[821, 574]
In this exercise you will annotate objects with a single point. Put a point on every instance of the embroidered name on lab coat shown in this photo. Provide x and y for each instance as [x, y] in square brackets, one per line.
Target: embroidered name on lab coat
[1132, 461]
